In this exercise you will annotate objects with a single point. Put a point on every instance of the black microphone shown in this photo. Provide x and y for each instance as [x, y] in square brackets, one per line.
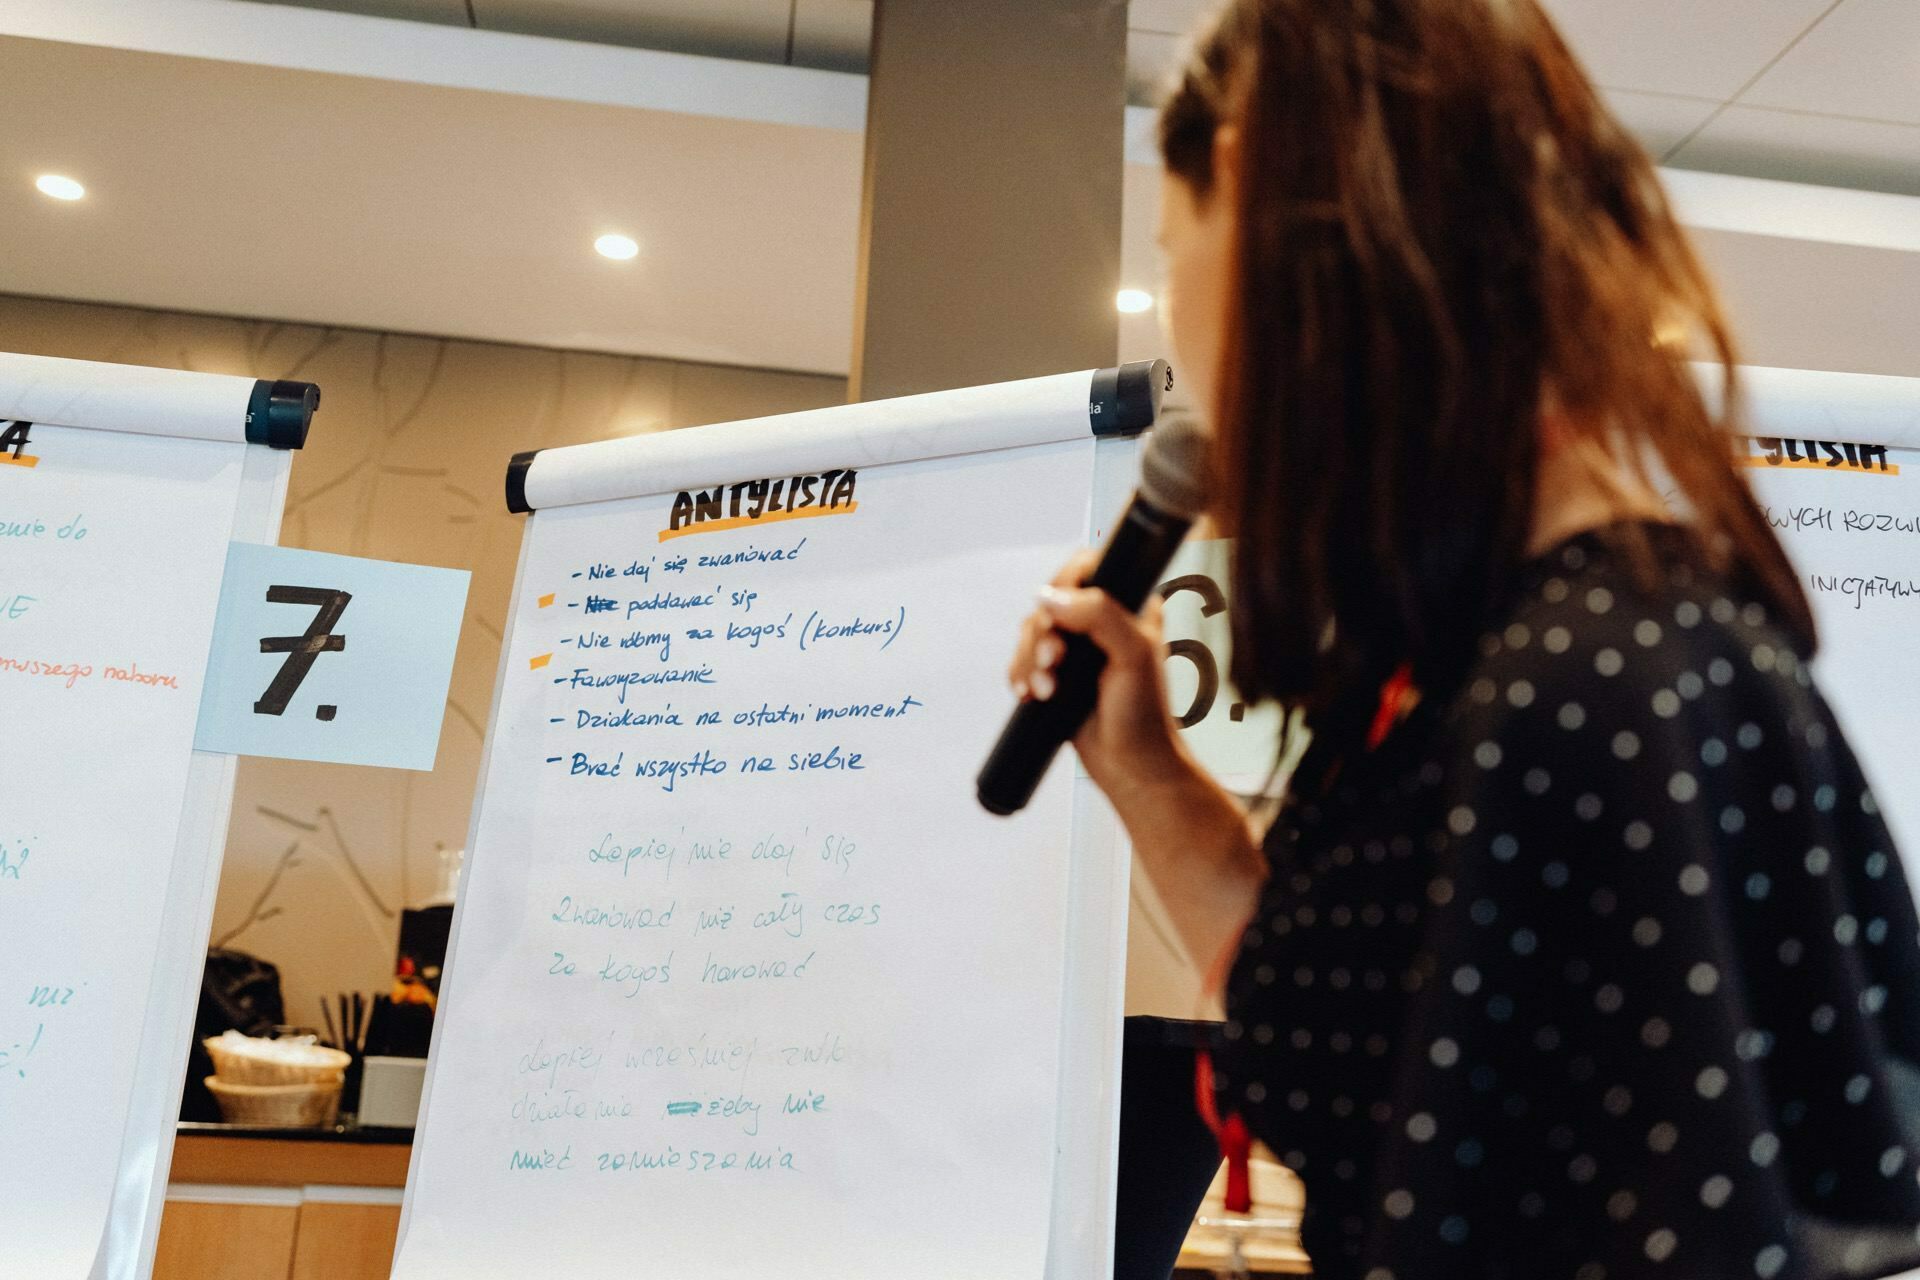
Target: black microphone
[1172, 493]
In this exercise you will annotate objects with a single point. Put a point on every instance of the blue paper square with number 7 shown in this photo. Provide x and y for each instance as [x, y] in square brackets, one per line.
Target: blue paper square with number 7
[325, 657]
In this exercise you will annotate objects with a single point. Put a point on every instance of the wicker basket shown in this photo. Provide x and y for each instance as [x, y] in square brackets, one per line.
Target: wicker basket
[247, 1068]
[294, 1106]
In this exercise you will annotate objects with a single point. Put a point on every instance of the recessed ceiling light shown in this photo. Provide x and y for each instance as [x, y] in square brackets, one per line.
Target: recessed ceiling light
[619, 248]
[59, 187]
[1133, 301]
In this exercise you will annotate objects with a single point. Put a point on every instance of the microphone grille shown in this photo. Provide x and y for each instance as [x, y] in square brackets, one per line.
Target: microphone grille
[1173, 468]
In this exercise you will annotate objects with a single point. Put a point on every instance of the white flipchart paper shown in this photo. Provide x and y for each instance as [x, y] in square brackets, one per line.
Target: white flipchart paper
[124, 397]
[111, 552]
[802, 1022]
[1853, 533]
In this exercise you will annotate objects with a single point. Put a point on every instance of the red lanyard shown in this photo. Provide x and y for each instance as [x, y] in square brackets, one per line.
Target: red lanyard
[1395, 701]
[1236, 1143]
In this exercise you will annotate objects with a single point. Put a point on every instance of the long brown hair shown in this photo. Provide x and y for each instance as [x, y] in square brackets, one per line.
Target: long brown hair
[1442, 234]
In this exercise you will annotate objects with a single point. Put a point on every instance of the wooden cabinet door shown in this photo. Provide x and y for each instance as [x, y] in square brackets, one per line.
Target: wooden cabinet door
[202, 1240]
[345, 1241]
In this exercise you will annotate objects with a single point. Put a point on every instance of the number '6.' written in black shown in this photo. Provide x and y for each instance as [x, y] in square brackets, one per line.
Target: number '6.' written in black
[1205, 667]
[302, 650]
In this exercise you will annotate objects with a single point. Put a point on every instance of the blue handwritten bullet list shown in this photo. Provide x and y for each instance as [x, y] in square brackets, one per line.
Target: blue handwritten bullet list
[688, 642]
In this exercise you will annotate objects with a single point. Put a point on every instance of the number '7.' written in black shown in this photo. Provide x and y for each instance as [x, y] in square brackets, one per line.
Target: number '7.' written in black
[302, 650]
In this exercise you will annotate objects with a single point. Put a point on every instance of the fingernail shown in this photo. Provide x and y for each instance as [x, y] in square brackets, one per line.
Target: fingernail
[1051, 651]
[1020, 690]
[1052, 597]
[1042, 685]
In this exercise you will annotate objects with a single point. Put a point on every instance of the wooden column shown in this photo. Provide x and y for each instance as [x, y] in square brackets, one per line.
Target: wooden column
[990, 222]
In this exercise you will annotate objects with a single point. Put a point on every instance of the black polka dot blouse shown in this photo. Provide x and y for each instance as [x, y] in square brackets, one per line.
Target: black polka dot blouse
[1603, 968]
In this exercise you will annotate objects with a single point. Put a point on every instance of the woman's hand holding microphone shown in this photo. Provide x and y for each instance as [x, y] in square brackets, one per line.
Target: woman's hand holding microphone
[1191, 835]
[1129, 740]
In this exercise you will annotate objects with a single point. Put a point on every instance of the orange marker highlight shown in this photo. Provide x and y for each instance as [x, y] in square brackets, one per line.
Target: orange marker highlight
[747, 522]
[546, 599]
[24, 460]
[539, 662]
[1809, 464]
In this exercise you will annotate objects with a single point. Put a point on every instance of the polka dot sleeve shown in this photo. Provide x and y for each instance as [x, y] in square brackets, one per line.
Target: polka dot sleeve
[1606, 971]
[1660, 941]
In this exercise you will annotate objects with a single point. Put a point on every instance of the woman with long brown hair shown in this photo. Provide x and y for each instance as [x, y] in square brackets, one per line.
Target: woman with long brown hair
[1578, 948]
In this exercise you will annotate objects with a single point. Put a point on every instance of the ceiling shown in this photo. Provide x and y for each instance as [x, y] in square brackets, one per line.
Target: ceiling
[1816, 91]
[253, 158]
[237, 189]
[829, 35]
[1821, 91]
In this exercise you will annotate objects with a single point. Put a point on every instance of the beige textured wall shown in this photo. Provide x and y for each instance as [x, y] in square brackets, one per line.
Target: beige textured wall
[405, 463]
